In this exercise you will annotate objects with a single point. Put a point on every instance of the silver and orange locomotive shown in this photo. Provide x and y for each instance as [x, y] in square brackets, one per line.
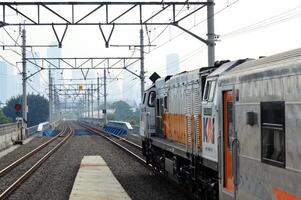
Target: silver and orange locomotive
[231, 131]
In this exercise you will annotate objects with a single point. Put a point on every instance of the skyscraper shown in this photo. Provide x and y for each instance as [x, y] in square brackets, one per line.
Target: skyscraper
[3, 83]
[172, 64]
[14, 82]
[34, 81]
[54, 52]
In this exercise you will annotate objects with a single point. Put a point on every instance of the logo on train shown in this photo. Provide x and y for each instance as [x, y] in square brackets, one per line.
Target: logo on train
[208, 128]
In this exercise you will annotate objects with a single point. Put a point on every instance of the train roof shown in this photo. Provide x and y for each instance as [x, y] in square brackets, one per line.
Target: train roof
[226, 67]
[285, 63]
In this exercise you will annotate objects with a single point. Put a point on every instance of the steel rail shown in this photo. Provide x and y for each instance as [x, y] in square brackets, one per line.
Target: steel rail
[143, 161]
[16, 163]
[13, 187]
[128, 141]
[100, 132]
[121, 138]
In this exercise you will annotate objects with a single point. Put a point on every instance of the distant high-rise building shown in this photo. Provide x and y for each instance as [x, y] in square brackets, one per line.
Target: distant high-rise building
[34, 81]
[3, 82]
[172, 64]
[54, 52]
[14, 82]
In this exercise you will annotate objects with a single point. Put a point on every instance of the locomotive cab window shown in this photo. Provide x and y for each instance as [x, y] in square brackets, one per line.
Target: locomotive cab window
[165, 103]
[273, 133]
[209, 91]
[151, 98]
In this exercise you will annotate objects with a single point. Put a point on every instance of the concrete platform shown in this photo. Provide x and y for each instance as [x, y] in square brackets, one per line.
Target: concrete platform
[95, 180]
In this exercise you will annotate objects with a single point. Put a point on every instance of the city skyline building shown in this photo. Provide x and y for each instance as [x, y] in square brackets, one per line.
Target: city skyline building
[54, 52]
[34, 81]
[3, 82]
[10, 82]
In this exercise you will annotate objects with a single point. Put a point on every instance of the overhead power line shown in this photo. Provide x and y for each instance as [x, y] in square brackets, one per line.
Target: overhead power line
[273, 20]
[192, 27]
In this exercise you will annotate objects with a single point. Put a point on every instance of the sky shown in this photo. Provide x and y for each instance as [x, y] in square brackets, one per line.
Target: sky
[246, 29]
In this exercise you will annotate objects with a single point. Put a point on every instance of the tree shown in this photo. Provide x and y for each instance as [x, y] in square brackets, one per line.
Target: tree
[124, 112]
[4, 119]
[111, 116]
[38, 109]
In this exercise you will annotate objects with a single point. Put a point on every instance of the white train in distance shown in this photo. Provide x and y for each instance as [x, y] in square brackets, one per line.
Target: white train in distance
[231, 131]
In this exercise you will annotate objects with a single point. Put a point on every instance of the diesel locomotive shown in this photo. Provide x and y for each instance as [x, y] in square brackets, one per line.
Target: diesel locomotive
[229, 131]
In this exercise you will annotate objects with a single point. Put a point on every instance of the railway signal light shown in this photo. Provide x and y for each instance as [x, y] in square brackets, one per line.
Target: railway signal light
[18, 106]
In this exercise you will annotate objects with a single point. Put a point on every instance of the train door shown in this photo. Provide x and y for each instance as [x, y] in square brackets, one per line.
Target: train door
[147, 124]
[228, 133]
[159, 115]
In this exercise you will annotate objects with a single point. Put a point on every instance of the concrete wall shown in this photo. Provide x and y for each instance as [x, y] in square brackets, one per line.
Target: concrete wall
[8, 134]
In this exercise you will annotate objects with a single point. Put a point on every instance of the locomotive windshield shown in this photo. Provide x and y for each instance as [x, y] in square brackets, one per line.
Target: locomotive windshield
[209, 90]
[151, 98]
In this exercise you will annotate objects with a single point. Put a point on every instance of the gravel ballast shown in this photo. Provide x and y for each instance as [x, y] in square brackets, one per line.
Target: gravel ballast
[54, 179]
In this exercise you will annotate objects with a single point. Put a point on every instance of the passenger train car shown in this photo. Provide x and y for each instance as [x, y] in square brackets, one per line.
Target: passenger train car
[231, 131]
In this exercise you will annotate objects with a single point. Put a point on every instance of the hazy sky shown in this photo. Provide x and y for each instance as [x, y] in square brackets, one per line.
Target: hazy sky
[247, 28]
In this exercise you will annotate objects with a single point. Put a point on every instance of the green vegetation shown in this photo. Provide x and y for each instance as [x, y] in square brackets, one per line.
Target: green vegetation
[124, 112]
[38, 109]
[4, 119]
[111, 116]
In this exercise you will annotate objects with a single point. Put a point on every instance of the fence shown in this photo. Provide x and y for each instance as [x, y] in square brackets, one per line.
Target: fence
[31, 130]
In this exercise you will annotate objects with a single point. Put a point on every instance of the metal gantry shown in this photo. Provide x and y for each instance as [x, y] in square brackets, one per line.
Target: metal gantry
[138, 9]
[80, 63]
[138, 12]
[84, 92]
[114, 14]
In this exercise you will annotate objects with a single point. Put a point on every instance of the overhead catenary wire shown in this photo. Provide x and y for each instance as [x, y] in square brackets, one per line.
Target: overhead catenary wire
[273, 20]
[14, 51]
[192, 27]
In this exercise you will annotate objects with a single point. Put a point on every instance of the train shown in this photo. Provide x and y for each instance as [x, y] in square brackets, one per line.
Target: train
[229, 131]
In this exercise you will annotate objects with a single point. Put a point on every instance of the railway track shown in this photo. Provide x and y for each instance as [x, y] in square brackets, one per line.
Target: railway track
[19, 179]
[130, 147]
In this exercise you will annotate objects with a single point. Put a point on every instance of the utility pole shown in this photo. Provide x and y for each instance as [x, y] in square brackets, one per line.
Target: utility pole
[50, 95]
[98, 97]
[142, 62]
[85, 104]
[24, 77]
[210, 33]
[105, 96]
[88, 102]
[66, 103]
[92, 91]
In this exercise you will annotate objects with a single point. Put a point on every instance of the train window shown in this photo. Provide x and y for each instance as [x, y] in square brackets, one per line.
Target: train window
[230, 124]
[273, 133]
[212, 89]
[165, 102]
[203, 81]
[151, 98]
[209, 91]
